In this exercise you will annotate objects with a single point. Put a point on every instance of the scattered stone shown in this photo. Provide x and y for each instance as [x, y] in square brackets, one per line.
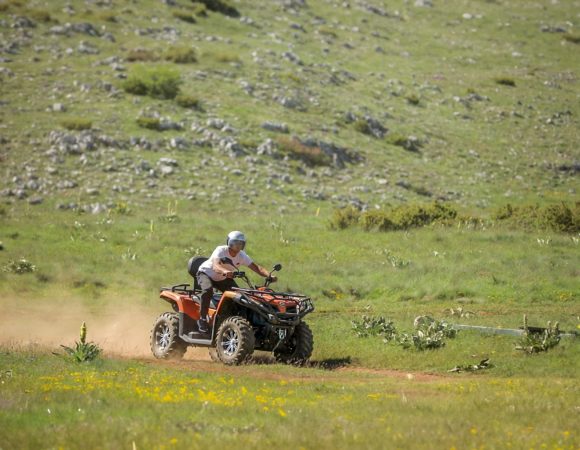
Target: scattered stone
[35, 200]
[268, 147]
[276, 127]
[424, 3]
[87, 49]
[23, 22]
[58, 107]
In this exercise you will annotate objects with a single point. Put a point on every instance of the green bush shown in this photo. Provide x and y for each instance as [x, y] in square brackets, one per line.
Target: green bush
[226, 57]
[312, 156]
[39, 15]
[344, 218]
[188, 101]
[539, 340]
[220, 6]
[559, 218]
[21, 266]
[181, 55]
[413, 216]
[157, 82]
[183, 16]
[83, 351]
[413, 99]
[151, 123]
[141, 55]
[505, 81]
[377, 220]
[362, 126]
[199, 10]
[573, 38]
[76, 124]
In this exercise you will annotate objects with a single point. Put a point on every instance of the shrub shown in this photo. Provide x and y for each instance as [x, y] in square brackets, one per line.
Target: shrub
[157, 82]
[76, 124]
[505, 81]
[151, 123]
[188, 101]
[413, 99]
[325, 31]
[141, 55]
[413, 216]
[225, 57]
[19, 267]
[312, 156]
[183, 16]
[107, 16]
[40, 15]
[573, 38]
[559, 218]
[362, 126]
[344, 218]
[181, 55]
[377, 220]
[199, 9]
[220, 6]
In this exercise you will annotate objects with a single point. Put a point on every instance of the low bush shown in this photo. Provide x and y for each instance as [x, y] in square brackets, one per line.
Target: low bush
[573, 38]
[225, 57]
[199, 9]
[413, 99]
[83, 351]
[157, 82]
[220, 6]
[185, 17]
[151, 123]
[142, 55]
[377, 220]
[39, 15]
[362, 126]
[76, 124]
[505, 81]
[19, 267]
[181, 55]
[312, 156]
[344, 218]
[374, 326]
[188, 101]
[559, 218]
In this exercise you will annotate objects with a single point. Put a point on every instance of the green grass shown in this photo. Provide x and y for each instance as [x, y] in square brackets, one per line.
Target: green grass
[122, 404]
[493, 102]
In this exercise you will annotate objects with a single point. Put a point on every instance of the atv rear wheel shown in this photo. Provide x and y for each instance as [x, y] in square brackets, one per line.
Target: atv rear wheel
[165, 341]
[234, 341]
[298, 348]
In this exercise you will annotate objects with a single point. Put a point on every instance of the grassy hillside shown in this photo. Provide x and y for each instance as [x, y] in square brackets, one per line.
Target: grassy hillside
[471, 102]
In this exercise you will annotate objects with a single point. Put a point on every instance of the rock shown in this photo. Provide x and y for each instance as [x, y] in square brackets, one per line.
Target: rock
[58, 107]
[553, 29]
[424, 3]
[288, 102]
[218, 124]
[87, 49]
[85, 28]
[92, 191]
[276, 127]
[168, 162]
[35, 200]
[166, 170]
[268, 147]
[23, 22]
[292, 57]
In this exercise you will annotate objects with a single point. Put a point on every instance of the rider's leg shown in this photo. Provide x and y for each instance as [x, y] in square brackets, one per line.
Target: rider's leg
[206, 285]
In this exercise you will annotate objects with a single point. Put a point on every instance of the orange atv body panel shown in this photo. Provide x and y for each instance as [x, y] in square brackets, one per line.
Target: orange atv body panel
[190, 307]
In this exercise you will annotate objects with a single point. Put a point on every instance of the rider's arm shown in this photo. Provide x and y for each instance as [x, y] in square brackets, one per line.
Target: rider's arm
[222, 268]
[259, 270]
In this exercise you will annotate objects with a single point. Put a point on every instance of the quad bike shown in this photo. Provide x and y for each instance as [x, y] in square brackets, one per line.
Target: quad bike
[241, 320]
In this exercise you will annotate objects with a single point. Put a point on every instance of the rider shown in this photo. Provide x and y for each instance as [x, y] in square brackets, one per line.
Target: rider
[218, 272]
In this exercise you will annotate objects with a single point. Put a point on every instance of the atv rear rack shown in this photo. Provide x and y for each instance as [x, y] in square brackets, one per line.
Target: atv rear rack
[179, 288]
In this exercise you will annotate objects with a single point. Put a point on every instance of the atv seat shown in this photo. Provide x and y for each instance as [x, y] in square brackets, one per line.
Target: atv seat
[192, 268]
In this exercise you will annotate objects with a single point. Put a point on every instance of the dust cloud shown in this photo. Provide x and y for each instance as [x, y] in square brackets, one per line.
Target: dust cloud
[122, 329]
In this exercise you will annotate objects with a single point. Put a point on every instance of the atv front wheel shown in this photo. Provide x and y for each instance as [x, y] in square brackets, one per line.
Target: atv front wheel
[298, 348]
[165, 341]
[234, 341]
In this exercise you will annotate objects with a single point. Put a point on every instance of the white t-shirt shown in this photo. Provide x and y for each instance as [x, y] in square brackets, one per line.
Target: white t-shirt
[223, 252]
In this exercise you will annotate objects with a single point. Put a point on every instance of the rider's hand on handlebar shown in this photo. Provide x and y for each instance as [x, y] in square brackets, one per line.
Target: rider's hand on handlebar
[229, 274]
[272, 279]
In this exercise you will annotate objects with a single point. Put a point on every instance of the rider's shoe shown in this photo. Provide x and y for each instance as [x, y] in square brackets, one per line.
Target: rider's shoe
[202, 326]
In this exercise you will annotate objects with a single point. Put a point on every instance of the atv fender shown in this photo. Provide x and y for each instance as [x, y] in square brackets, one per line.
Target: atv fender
[181, 303]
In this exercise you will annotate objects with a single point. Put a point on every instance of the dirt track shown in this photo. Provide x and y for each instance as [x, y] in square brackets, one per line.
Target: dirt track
[123, 332]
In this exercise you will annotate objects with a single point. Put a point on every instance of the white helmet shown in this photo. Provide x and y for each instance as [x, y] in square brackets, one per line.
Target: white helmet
[236, 237]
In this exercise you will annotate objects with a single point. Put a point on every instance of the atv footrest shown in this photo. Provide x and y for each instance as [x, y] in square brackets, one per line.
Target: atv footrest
[196, 339]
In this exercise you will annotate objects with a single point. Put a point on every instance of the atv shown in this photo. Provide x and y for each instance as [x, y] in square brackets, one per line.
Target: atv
[241, 320]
